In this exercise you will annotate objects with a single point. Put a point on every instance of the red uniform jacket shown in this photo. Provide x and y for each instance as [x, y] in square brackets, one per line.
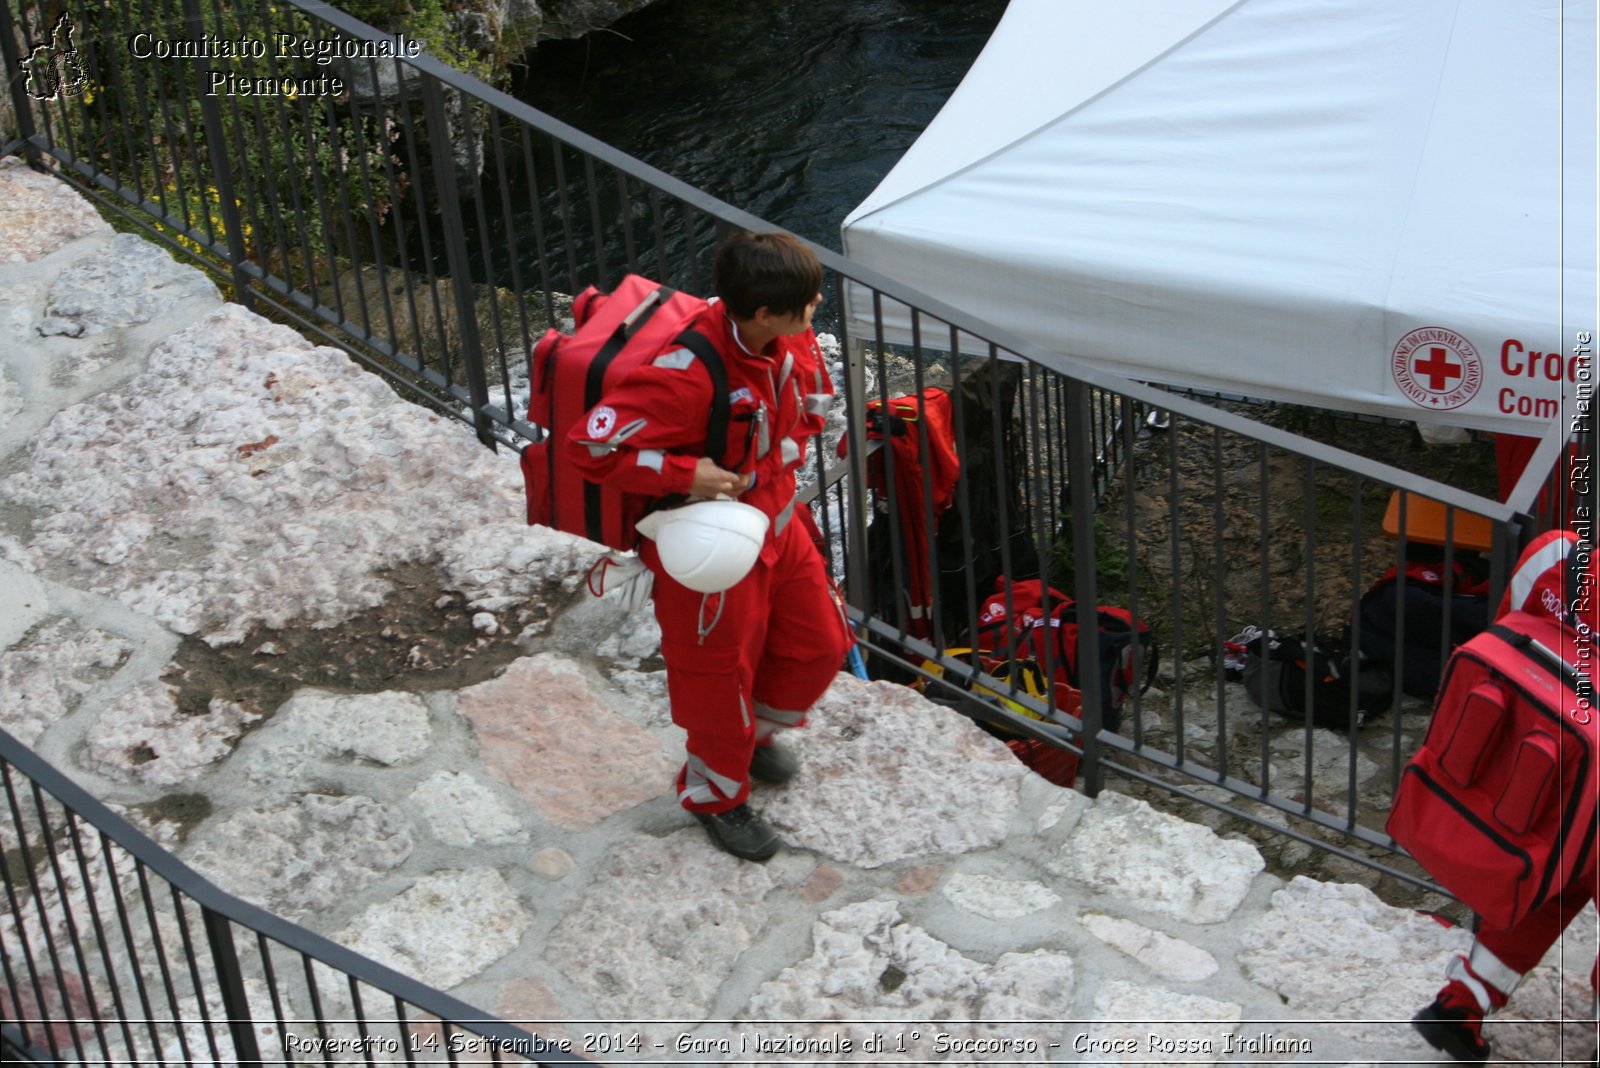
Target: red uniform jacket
[647, 433]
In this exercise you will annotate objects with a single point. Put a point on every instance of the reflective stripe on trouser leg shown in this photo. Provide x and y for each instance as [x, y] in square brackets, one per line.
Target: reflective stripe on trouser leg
[1492, 970]
[699, 785]
[770, 721]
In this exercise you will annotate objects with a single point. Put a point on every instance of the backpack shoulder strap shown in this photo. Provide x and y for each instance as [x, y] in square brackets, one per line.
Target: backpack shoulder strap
[707, 354]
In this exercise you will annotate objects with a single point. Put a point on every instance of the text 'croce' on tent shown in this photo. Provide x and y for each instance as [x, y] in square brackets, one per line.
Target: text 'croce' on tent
[1380, 207]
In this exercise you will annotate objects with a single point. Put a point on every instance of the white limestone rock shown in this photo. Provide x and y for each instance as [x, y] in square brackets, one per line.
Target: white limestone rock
[141, 736]
[306, 854]
[128, 282]
[447, 927]
[1336, 950]
[45, 679]
[1165, 956]
[660, 928]
[1150, 860]
[40, 213]
[10, 399]
[887, 775]
[867, 963]
[389, 728]
[1149, 1025]
[638, 638]
[461, 811]
[642, 697]
[999, 899]
[249, 478]
[507, 565]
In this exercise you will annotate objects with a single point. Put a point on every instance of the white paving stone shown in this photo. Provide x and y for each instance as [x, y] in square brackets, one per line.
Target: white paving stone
[141, 736]
[999, 899]
[1336, 950]
[461, 811]
[44, 680]
[1167, 957]
[867, 963]
[887, 775]
[306, 854]
[448, 926]
[1157, 862]
[657, 932]
[389, 728]
[1150, 1025]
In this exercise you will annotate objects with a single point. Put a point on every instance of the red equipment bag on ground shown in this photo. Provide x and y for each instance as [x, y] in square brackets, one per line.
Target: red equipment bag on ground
[616, 332]
[1019, 623]
[1499, 804]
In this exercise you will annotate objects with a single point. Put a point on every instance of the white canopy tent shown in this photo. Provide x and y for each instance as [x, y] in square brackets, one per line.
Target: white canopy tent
[1375, 206]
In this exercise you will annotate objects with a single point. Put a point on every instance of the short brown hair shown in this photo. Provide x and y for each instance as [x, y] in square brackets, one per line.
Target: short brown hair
[775, 271]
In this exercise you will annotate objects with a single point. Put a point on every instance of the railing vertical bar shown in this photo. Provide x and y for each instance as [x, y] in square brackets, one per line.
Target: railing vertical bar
[374, 198]
[491, 281]
[357, 266]
[1002, 486]
[1130, 535]
[123, 919]
[21, 102]
[19, 917]
[625, 216]
[315, 995]
[541, 250]
[1264, 611]
[269, 976]
[853, 497]
[170, 144]
[221, 165]
[1169, 445]
[230, 984]
[569, 239]
[300, 230]
[1355, 668]
[460, 271]
[191, 957]
[958, 419]
[407, 1043]
[319, 204]
[929, 564]
[514, 260]
[1308, 491]
[158, 944]
[47, 847]
[360, 1017]
[1080, 488]
[1219, 616]
[100, 940]
[139, 120]
[415, 155]
[592, 183]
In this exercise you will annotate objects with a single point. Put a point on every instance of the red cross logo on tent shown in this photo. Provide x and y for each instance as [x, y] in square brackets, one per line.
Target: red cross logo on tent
[1436, 368]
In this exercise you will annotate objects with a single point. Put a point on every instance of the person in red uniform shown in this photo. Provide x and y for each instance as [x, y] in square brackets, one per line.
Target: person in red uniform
[750, 661]
[1482, 981]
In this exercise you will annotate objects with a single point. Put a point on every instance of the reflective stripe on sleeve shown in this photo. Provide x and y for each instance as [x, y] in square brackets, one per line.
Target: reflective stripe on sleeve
[653, 459]
[818, 403]
[676, 360]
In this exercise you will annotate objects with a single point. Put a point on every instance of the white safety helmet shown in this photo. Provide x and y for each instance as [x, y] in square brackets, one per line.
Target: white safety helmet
[709, 545]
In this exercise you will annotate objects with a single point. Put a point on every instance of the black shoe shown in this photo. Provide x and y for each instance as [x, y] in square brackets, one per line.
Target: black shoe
[741, 832]
[1453, 1023]
[773, 764]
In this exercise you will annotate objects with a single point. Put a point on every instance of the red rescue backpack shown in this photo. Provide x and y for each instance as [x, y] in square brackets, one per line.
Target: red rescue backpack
[1018, 621]
[614, 333]
[1499, 804]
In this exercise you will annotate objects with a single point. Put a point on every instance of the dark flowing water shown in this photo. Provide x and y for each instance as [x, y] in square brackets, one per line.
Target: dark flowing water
[790, 109]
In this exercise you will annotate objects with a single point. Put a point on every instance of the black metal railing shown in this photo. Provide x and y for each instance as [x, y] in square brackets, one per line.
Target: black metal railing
[114, 952]
[434, 228]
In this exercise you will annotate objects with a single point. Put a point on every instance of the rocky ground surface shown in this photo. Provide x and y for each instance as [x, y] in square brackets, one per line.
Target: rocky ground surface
[293, 628]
